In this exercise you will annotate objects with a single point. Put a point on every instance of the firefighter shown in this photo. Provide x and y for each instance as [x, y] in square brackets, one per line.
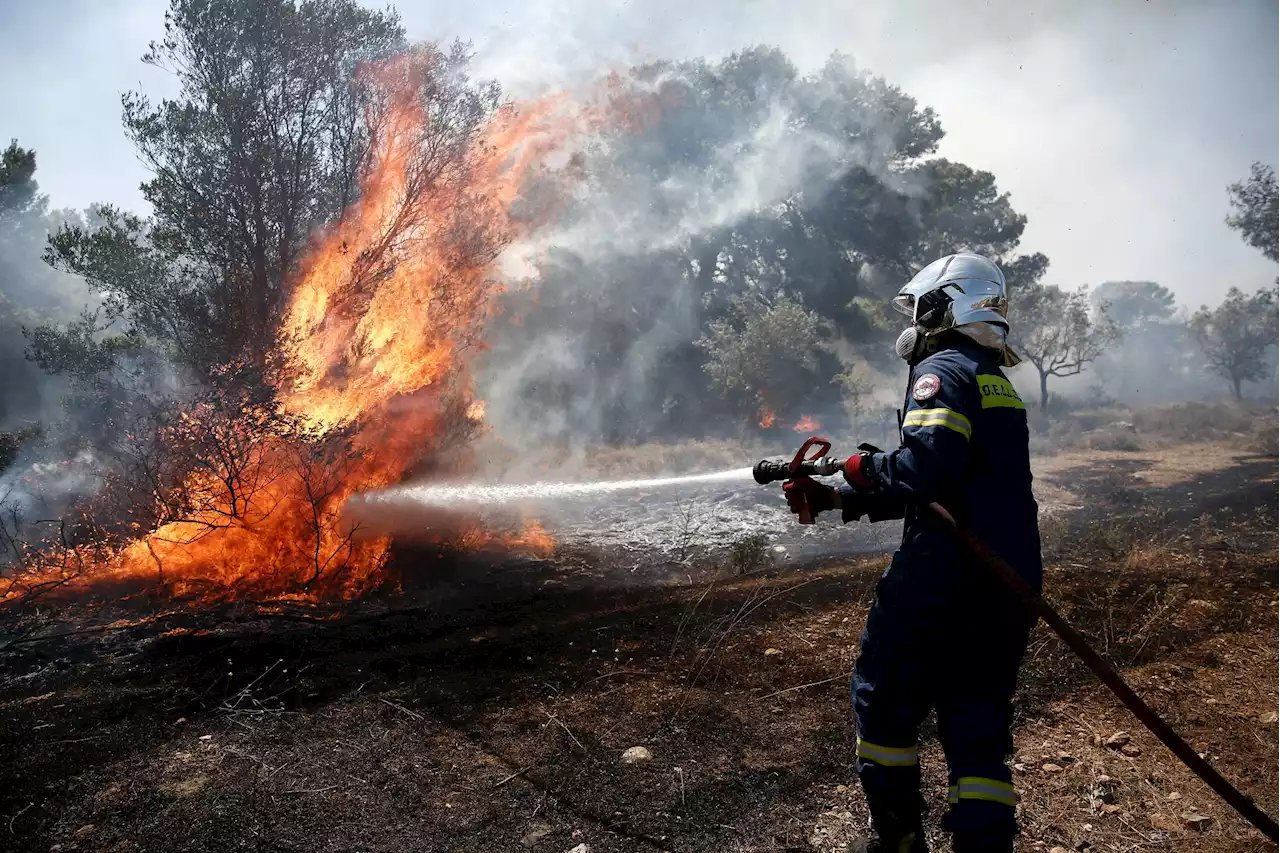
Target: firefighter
[942, 633]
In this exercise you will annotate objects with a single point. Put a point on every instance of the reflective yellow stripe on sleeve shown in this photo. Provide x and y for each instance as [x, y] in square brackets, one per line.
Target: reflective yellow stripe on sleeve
[938, 417]
[981, 788]
[887, 756]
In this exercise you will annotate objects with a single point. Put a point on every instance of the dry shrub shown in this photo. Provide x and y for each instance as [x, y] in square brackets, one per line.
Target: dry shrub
[1138, 428]
[749, 554]
[1065, 430]
[1266, 440]
[1120, 436]
[1190, 422]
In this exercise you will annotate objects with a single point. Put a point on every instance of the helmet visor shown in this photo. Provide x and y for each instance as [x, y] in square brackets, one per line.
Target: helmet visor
[905, 303]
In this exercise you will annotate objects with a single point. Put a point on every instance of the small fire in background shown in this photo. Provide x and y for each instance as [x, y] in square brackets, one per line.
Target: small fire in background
[767, 417]
[806, 424]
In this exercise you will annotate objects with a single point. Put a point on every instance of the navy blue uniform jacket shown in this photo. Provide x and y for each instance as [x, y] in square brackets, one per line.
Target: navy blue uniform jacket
[965, 445]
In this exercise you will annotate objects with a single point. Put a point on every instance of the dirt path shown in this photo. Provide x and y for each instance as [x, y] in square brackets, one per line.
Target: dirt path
[489, 711]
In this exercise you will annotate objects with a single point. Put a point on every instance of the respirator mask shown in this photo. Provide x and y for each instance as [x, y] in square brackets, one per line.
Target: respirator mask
[910, 345]
[931, 313]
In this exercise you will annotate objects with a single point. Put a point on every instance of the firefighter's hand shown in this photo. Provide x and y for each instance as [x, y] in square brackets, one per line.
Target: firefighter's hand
[802, 492]
[858, 473]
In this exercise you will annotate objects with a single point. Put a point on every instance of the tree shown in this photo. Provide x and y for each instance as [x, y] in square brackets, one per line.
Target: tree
[764, 355]
[962, 210]
[1155, 360]
[281, 122]
[1134, 305]
[264, 143]
[725, 181]
[30, 291]
[1257, 209]
[1055, 330]
[1237, 335]
[19, 192]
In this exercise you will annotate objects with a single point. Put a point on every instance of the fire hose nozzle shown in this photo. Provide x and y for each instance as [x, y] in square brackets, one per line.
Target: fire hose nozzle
[774, 470]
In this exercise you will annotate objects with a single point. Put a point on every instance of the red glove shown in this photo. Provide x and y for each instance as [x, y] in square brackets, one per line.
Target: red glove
[802, 492]
[857, 471]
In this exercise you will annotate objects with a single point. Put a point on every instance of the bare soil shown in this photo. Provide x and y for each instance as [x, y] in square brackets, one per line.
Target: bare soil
[487, 707]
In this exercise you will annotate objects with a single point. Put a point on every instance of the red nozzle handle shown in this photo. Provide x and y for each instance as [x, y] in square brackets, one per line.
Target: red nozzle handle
[813, 441]
[805, 515]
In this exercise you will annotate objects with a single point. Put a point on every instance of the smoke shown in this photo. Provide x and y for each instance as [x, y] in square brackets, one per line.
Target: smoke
[1139, 195]
[684, 202]
[30, 293]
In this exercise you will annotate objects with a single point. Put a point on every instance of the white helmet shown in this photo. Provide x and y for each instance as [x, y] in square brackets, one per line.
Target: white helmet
[954, 291]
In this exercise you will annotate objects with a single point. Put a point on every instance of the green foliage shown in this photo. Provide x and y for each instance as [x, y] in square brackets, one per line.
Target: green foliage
[158, 299]
[855, 387]
[81, 349]
[749, 554]
[962, 211]
[1256, 205]
[1024, 270]
[1237, 337]
[264, 143]
[764, 353]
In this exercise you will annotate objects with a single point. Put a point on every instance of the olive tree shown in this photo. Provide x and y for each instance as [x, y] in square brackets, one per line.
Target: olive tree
[1236, 336]
[1057, 331]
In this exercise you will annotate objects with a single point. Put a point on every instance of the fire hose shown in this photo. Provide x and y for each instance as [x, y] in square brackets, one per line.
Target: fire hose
[819, 464]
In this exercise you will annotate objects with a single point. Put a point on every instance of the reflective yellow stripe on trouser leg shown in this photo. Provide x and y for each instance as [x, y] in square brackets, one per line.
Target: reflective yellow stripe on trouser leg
[981, 788]
[888, 756]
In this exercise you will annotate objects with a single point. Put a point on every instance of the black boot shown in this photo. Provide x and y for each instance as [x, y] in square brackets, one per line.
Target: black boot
[892, 834]
[912, 842]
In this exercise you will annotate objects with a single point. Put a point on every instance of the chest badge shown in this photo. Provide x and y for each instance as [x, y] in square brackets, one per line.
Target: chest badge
[926, 386]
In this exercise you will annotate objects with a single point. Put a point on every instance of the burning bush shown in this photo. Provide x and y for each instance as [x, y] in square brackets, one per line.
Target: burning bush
[237, 485]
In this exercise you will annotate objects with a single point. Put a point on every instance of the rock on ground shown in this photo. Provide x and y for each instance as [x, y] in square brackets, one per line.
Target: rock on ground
[636, 754]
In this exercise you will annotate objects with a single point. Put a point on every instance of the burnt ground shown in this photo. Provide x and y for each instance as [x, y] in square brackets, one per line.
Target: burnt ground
[487, 707]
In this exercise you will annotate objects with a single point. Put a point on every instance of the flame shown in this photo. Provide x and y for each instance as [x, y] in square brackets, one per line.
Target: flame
[764, 412]
[386, 310]
[531, 539]
[806, 424]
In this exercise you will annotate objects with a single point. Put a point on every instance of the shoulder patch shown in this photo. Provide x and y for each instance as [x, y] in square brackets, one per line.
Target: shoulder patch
[998, 392]
[926, 386]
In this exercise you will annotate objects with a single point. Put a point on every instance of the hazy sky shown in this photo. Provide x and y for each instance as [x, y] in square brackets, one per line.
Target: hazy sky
[1114, 124]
